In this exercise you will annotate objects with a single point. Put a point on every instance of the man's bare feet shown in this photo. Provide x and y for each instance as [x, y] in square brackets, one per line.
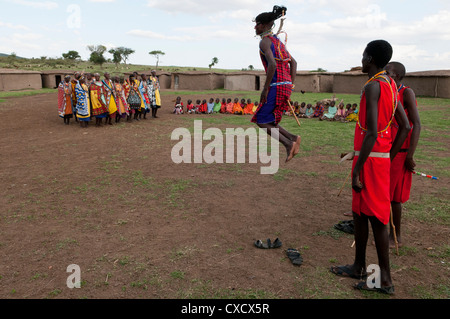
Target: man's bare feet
[295, 149]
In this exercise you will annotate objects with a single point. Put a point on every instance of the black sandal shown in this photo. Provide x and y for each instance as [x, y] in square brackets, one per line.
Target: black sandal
[268, 244]
[347, 226]
[295, 256]
[384, 290]
[346, 271]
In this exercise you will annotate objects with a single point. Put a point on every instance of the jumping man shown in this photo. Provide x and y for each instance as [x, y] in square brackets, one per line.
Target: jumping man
[281, 70]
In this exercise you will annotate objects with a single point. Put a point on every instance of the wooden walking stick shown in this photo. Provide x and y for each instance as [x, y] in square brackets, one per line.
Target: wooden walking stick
[345, 182]
[395, 233]
[293, 112]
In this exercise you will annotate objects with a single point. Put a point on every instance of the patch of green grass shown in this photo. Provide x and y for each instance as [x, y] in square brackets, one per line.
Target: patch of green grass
[439, 291]
[177, 274]
[201, 289]
[430, 209]
[23, 93]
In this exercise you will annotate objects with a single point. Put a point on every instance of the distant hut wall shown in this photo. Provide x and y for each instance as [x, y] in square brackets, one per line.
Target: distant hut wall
[201, 81]
[20, 81]
[51, 81]
[307, 82]
[435, 86]
[326, 83]
[443, 87]
[348, 84]
[165, 81]
[243, 82]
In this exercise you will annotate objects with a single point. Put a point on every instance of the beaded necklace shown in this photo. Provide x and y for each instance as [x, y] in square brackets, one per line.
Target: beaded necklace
[382, 75]
[269, 33]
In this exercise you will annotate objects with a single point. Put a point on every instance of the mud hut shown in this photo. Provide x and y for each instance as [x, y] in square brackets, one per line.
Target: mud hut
[244, 81]
[15, 80]
[52, 78]
[349, 82]
[429, 83]
[197, 80]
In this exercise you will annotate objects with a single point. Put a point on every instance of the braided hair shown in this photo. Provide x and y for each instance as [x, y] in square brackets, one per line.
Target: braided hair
[270, 17]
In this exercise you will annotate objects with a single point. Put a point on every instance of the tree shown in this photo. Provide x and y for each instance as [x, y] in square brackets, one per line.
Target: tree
[117, 56]
[71, 55]
[157, 54]
[97, 54]
[213, 62]
[120, 54]
[125, 52]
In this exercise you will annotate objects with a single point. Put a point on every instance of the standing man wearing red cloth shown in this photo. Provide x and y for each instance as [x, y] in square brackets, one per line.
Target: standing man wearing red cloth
[403, 164]
[281, 70]
[374, 148]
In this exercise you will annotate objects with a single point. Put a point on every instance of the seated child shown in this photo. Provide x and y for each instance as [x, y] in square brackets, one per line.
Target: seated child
[249, 107]
[352, 115]
[309, 111]
[198, 107]
[340, 114]
[210, 106]
[223, 106]
[318, 111]
[296, 107]
[204, 107]
[217, 106]
[229, 107]
[178, 106]
[255, 107]
[237, 108]
[302, 110]
[331, 113]
[190, 107]
[243, 104]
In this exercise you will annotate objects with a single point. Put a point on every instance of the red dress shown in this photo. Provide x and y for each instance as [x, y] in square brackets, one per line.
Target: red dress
[401, 178]
[374, 199]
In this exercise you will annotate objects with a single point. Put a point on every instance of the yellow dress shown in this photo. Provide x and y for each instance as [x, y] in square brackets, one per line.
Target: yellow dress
[156, 88]
[110, 101]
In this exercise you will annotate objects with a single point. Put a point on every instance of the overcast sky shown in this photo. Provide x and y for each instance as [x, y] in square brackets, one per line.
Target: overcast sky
[327, 34]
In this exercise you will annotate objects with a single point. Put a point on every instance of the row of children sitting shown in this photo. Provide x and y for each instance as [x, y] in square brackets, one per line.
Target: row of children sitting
[226, 106]
[329, 113]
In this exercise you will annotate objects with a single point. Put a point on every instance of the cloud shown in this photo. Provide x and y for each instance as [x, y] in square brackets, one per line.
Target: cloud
[154, 35]
[202, 7]
[37, 4]
[14, 26]
[20, 42]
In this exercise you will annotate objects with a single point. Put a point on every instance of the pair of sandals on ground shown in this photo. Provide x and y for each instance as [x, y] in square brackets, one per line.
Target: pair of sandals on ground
[293, 254]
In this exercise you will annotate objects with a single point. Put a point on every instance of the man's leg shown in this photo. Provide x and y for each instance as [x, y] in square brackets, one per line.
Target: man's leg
[361, 223]
[274, 132]
[380, 233]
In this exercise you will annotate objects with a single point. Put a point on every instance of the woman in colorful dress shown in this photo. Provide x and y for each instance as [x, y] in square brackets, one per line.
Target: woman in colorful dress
[121, 101]
[143, 90]
[110, 98]
[83, 105]
[156, 95]
[99, 106]
[65, 100]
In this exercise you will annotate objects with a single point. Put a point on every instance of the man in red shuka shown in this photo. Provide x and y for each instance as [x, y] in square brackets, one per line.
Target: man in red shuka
[403, 164]
[374, 149]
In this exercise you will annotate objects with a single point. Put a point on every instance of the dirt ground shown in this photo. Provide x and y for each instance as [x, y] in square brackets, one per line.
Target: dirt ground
[111, 201]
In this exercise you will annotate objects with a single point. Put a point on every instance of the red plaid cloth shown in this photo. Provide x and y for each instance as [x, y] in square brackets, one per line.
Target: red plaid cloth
[282, 75]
